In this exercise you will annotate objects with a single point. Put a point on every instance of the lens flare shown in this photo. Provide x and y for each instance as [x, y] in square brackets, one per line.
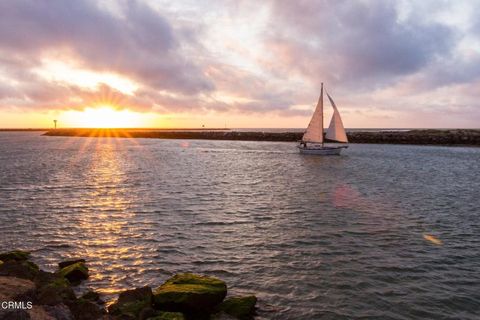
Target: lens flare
[432, 239]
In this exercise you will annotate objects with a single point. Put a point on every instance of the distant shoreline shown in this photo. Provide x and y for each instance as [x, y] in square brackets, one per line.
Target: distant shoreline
[464, 137]
[117, 129]
[24, 129]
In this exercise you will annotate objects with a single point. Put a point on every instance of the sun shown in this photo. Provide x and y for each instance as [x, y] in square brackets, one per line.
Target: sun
[107, 117]
[104, 116]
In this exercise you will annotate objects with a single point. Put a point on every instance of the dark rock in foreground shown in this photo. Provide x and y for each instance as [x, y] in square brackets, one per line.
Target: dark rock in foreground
[469, 137]
[85, 310]
[16, 255]
[53, 289]
[41, 295]
[131, 303]
[19, 269]
[16, 289]
[165, 315]
[50, 296]
[92, 296]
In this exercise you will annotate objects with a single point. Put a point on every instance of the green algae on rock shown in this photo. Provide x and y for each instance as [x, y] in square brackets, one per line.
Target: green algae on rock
[85, 310]
[92, 296]
[190, 292]
[17, 255]
[53, 289]
[164, 315]
[67, 263]
[21, 269]
[75, 272]
[239, 307]
[130, 303]
[183, 296]
[51, 293]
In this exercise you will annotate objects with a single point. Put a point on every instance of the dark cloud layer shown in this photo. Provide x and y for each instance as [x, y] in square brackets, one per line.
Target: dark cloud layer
[355, 43]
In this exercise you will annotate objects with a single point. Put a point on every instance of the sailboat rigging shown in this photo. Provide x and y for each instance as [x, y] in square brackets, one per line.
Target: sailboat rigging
[313, 141]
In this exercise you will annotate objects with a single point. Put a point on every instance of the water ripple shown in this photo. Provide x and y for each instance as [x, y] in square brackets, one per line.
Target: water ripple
[312, 237]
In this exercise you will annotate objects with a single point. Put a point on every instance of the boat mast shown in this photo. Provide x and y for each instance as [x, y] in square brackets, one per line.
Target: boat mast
[321, 122]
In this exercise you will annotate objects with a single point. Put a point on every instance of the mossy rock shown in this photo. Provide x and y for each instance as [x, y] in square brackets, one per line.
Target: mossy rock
[67, 263]
[92, 296]
[1, 262]
[55, 293]
[53, 289]
[16, 255]
[20, 269]
[85, 310]
[190, 292]
[130, 303]
[130, 309]
[221, 316]
[164, 315]
[239, 307]
[75, 272]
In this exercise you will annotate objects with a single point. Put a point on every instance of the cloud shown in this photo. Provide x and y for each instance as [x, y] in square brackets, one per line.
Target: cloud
[243, 57]
[356, 44]
[139, 43]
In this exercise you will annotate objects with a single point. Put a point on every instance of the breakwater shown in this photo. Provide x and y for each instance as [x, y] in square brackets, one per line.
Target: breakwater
[469, 137]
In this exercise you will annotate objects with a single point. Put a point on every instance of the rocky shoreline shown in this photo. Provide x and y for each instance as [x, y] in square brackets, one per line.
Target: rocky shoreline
[27, 292]
[460, 137]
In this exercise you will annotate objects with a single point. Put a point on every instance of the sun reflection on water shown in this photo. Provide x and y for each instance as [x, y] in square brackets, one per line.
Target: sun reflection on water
[106, 225]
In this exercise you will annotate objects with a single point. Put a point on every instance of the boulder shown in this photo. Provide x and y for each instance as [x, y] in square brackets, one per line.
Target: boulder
[239, 307]
[53, 289]
[75, 272]
[92, 296]
[15, 289]
[20, 269]
[15, 314]
[147, 313]
[189, 292]
[85, 310]
[16, 255]
[20, 291]
[67, 263]
[164, 315]
[58, 312]
[222, 316]
[39, 313]
[131, 303]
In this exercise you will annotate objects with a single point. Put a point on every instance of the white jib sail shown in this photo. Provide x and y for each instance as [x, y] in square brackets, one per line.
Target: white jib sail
[336, 131]
[314, 131]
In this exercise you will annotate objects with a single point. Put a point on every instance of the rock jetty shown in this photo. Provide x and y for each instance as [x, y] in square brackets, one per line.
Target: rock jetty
[466, 137]
[27, 292]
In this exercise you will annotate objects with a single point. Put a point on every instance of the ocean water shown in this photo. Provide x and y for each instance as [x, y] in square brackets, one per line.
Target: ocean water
[382, 232]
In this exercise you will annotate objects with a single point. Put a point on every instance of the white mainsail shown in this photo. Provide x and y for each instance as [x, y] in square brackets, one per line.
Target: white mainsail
[314, 131]
[335, 130]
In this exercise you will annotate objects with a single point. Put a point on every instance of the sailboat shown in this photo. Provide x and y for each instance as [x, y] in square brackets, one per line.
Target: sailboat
[313, 141]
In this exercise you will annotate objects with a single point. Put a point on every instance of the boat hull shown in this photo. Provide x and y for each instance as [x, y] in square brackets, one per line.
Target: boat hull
[322, 151]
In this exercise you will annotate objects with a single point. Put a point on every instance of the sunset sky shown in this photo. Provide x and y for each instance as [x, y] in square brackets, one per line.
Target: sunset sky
[238, 63]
